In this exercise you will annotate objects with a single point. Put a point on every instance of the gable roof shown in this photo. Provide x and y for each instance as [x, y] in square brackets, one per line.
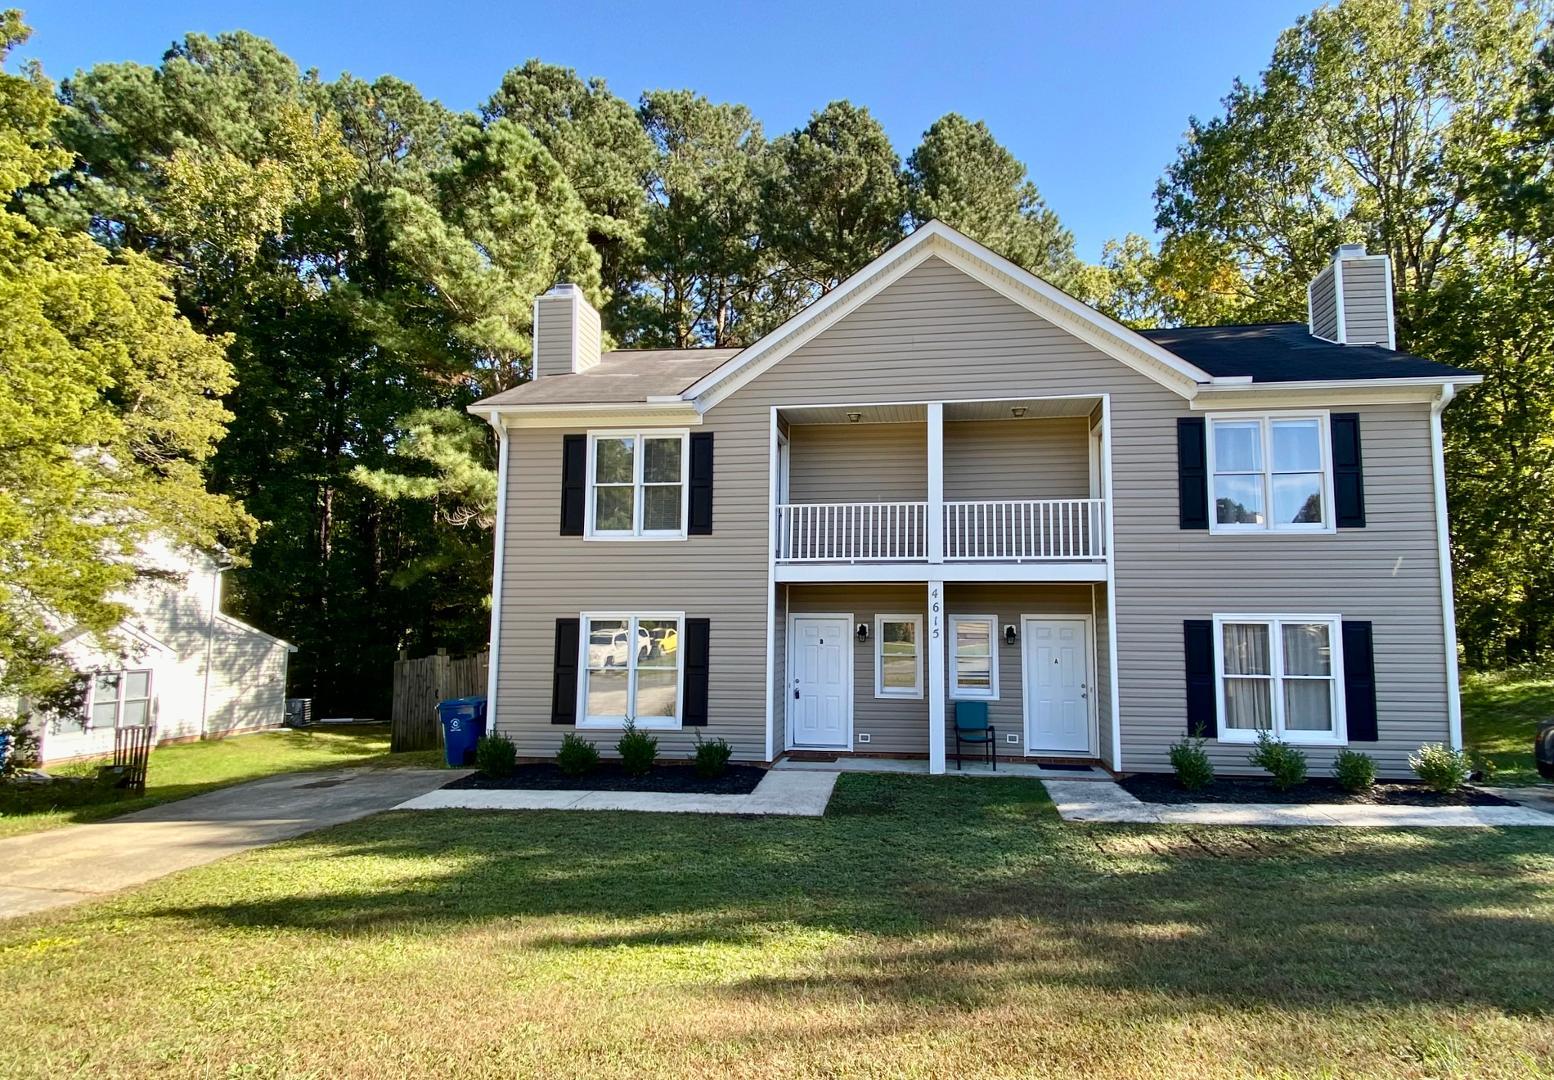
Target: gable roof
[1287, 352]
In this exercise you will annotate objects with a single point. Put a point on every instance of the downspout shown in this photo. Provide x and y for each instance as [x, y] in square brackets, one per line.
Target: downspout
[210, 642]
[1443, 551]
[498, 553]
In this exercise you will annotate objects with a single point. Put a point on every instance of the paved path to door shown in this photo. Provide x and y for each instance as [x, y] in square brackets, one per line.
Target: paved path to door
[65, 866]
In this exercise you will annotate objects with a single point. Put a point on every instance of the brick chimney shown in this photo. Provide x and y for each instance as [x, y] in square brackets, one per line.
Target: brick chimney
[1350, 301]
[566, 332]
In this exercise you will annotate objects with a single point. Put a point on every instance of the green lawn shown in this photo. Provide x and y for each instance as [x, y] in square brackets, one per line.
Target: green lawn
[177, 772]
[1500, 713]
[924, 927]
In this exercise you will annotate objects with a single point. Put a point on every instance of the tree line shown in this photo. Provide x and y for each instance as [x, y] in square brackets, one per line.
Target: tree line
[256, 301]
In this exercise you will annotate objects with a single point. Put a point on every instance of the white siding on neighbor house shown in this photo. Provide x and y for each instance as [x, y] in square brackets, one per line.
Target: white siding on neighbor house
[937, 334]
[1367, 321]
[247, 680]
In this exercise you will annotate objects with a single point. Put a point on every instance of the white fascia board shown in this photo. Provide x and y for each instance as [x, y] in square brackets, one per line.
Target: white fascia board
[1036, 570]
[239, 624]
[636, 413]
[1328, 392]
[983, 265]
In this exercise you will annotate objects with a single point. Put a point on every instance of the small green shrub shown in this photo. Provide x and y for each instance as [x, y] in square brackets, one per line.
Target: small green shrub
[1441, 768]
[712, 757]
[637, 749]
[1194, 771]
[577, 755]
[1354, 771]
[495, 755]
[1283, 762]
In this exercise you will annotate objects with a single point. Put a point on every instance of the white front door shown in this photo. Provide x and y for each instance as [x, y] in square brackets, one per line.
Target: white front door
[1057, 686]
[820, 693]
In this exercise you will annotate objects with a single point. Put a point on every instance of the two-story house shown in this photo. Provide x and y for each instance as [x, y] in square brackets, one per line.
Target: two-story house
[948, 480]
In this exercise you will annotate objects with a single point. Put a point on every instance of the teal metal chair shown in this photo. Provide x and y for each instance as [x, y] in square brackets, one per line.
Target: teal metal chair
[972, 728]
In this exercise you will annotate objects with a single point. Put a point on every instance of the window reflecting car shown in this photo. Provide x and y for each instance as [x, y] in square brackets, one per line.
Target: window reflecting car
[666, 639]
[607, 646]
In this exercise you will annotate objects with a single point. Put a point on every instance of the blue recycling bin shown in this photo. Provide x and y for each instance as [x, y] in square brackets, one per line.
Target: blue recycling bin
[463, 723]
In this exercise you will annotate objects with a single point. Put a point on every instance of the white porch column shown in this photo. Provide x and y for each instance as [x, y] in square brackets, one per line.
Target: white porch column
[935, 481]
[936, 713]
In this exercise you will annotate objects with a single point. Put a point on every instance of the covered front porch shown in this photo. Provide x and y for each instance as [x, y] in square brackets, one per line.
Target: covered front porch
[874, 668]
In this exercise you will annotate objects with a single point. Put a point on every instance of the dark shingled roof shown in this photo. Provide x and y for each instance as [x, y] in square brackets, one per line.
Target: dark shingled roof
[624, 376]
[1286, 352]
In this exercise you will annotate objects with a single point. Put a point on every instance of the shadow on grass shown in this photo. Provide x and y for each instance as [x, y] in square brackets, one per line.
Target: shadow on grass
[959, 893]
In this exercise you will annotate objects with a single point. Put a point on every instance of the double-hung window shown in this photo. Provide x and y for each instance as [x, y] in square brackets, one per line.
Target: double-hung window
[1270, 473]
[636, 485]
[1281, 674]
[974, 657]
[898, 656]
[632, 670]
[121, 699]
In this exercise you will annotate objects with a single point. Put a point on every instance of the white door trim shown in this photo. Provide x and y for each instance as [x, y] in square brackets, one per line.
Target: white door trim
[1090, 687]
[787, 678]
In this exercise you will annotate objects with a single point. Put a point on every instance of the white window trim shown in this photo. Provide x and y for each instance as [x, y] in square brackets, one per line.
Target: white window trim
[1339, 736]
[119, 702]
[639, 503]
[616, 723]
[953, 690]
[880, 690]
[1265, 419]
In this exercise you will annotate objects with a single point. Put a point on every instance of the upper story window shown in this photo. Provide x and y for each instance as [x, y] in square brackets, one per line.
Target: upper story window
[636, 485]
[1270, 473]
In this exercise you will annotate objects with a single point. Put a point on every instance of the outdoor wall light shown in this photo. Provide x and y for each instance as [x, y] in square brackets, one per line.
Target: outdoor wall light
[1011, 635]
[854, 417]
[863, 631]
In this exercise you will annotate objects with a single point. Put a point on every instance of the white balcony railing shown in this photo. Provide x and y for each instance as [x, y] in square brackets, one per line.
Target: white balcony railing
[1025, 529]
[852, 532]
[1008, 530]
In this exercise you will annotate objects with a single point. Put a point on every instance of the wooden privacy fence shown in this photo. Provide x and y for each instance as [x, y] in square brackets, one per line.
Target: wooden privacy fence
[420, 684]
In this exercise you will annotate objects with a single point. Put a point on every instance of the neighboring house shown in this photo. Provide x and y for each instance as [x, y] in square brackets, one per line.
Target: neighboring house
[185, 666]
[948, 480]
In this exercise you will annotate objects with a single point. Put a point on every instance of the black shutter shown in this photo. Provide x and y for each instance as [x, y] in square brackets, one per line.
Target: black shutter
[563, 687]
[1359, 681]
[701, 484]
[698, 633]
[574, 483]
[1202, 696]
[1348, 478]
[1192, 473]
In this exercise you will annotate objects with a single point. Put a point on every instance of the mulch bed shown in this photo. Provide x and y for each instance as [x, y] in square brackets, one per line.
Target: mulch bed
[1163, 788]
[609, 776]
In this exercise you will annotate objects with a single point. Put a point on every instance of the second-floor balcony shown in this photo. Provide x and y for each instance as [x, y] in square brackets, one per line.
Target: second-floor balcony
[1009, 530]
[962, 483]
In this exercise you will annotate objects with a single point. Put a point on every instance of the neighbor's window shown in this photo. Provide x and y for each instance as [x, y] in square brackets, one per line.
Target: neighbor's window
[637, 485]
[1270, 473]
[898, 656]
[121, 699]
[631, 667]
[1280, 674]
[974, 657]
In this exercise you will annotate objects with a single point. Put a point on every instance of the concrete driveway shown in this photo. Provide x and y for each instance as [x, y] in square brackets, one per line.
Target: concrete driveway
[65, 866]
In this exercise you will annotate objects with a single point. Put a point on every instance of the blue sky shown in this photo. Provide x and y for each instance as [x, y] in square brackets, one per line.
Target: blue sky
[1093, 97]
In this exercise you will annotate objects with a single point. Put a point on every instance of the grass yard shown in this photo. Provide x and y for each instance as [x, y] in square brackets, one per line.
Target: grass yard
[185, 769]
[1500, 713]
[924, 927]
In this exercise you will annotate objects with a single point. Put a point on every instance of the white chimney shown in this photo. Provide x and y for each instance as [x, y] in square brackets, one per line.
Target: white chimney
[1350, 301]
[566, 332]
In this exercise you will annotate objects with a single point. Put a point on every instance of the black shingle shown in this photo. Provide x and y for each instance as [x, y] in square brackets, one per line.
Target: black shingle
[1286, 352]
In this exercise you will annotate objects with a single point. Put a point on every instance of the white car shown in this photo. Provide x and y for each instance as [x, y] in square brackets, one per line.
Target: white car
[608, 648]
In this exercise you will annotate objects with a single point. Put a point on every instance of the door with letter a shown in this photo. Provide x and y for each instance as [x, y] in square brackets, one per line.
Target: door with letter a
[820, 690]
[1058, 686]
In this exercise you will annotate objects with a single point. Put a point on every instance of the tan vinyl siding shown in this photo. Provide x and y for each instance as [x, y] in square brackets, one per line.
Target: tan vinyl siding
[1324, 306]
[588, 333]
[937, 334]
[833, 463]
[553, 336]
[1103, 677]
[1017, 459]
[895, 725]
[1366, 318]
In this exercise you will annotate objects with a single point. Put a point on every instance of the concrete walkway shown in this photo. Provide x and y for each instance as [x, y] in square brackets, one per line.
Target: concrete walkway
[1109, 802]
[65, 866]
[796, 794]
